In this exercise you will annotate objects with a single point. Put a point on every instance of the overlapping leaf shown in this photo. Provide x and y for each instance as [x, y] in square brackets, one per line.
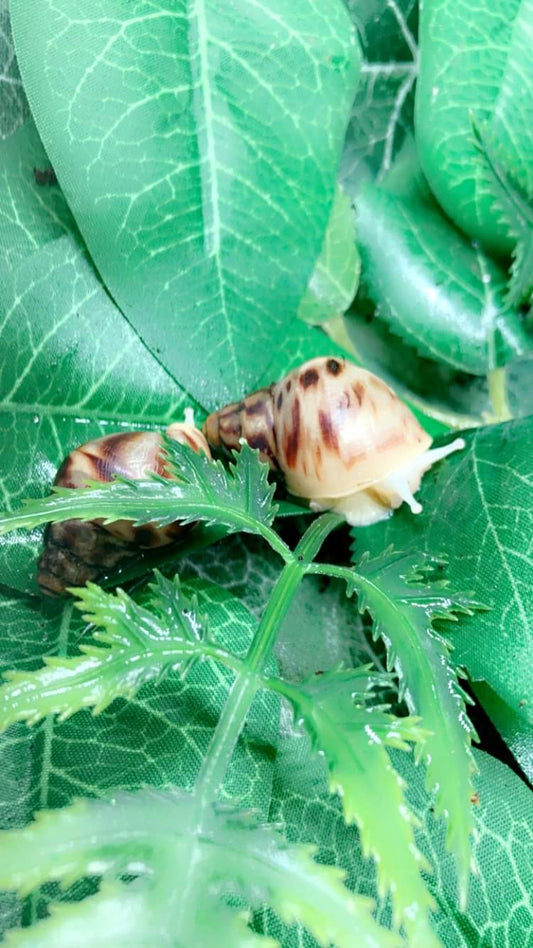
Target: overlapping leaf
[353, 739]
[142, 643]
[14, 107]
[203, 183]
[474, 60]
[150, 834]
[404, 603]
[477, 512]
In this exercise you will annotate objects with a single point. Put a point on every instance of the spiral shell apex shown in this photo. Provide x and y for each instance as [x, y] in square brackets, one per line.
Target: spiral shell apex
[77, 551]
[340, 435]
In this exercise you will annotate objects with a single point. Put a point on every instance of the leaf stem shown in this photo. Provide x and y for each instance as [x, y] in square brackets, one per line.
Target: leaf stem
[249, 678]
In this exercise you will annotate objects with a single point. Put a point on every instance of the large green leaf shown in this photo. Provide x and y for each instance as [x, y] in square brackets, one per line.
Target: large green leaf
[382, 112]
[475, 59]
[477, 512]
[203, 181]
[431, 286]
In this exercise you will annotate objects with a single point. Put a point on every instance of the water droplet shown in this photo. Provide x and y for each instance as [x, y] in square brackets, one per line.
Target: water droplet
[486, 278]
[36, 419]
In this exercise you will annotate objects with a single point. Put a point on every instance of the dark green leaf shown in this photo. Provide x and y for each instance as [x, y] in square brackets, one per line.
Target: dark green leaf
[14, 108]
[474, 59]
[203, 186]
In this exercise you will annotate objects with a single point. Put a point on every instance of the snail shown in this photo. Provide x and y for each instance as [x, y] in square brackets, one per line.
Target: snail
[339, 435]
[76, 551]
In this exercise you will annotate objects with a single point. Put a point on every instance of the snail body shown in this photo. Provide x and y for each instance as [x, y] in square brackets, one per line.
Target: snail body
[76, 551]
[339, 435]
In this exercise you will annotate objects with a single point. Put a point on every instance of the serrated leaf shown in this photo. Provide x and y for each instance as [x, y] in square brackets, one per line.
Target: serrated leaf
[142, 642]
[240, 498]
[431, 286]
[150, 834]
[353, 739]
[516, 212]
[404, 600]
[486, 495]
[334, 280]
[474, 59]
[193, 187]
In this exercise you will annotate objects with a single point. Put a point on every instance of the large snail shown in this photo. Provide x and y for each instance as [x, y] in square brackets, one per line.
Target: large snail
[77, 551]
[339, 435]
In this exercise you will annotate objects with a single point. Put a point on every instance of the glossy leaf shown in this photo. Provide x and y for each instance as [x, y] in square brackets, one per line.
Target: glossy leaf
[353, 739]
[499, 906]
[240, 499]
[151, 833]
[382, 112]
[432, 287]
[485, 494]
[474, 60]
[142, 643]
[203, 183]
[404, 600]
[335, 277]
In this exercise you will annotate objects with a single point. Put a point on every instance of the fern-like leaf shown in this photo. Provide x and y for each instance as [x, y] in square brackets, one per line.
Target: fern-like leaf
[137, 643]
[516, 213]
[353, 738]
[404, 599]
[239, 498]
[152, 835]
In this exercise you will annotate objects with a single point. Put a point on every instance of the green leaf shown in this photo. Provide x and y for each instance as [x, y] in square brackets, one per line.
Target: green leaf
[404, 599]
[353, 739]
[153, 833]
[516, 731]
[240, 498]
[142, 643]
[334, 280]
[382, 112]
[475, 59]
[203, 186]
[499, 907]
[477, 512]
[516, 211]
[14, 108]
[431, 286]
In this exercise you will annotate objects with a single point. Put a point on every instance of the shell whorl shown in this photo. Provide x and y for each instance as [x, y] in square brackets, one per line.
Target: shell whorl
[252, 418]
[77, 551]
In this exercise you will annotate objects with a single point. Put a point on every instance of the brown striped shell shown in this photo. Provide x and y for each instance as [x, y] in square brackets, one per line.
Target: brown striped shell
[76, 551]
[339, 434]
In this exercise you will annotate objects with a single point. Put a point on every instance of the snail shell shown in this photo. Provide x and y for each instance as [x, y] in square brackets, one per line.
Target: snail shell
[76, 551]
[340, 436]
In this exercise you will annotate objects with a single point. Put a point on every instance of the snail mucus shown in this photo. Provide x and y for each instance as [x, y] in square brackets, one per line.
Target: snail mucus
[77, 551]
[339, 435]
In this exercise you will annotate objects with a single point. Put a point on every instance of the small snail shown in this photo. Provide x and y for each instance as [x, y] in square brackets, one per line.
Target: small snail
[339, 435]
[77, 551]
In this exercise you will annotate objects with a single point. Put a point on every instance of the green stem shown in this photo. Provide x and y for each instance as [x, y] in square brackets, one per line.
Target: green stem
[498, 394]
[248, 680]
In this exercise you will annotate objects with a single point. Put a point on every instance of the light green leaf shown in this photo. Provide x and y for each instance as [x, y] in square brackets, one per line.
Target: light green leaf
[475, 60]
[404, 600]
[151, 834]
[382, 112]
[500, 909]
[239, 498]
[477, 512]
[204, 180]
[431, 286]
[14, 108]
[353, 739]
[334, 280]
[142, 643]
